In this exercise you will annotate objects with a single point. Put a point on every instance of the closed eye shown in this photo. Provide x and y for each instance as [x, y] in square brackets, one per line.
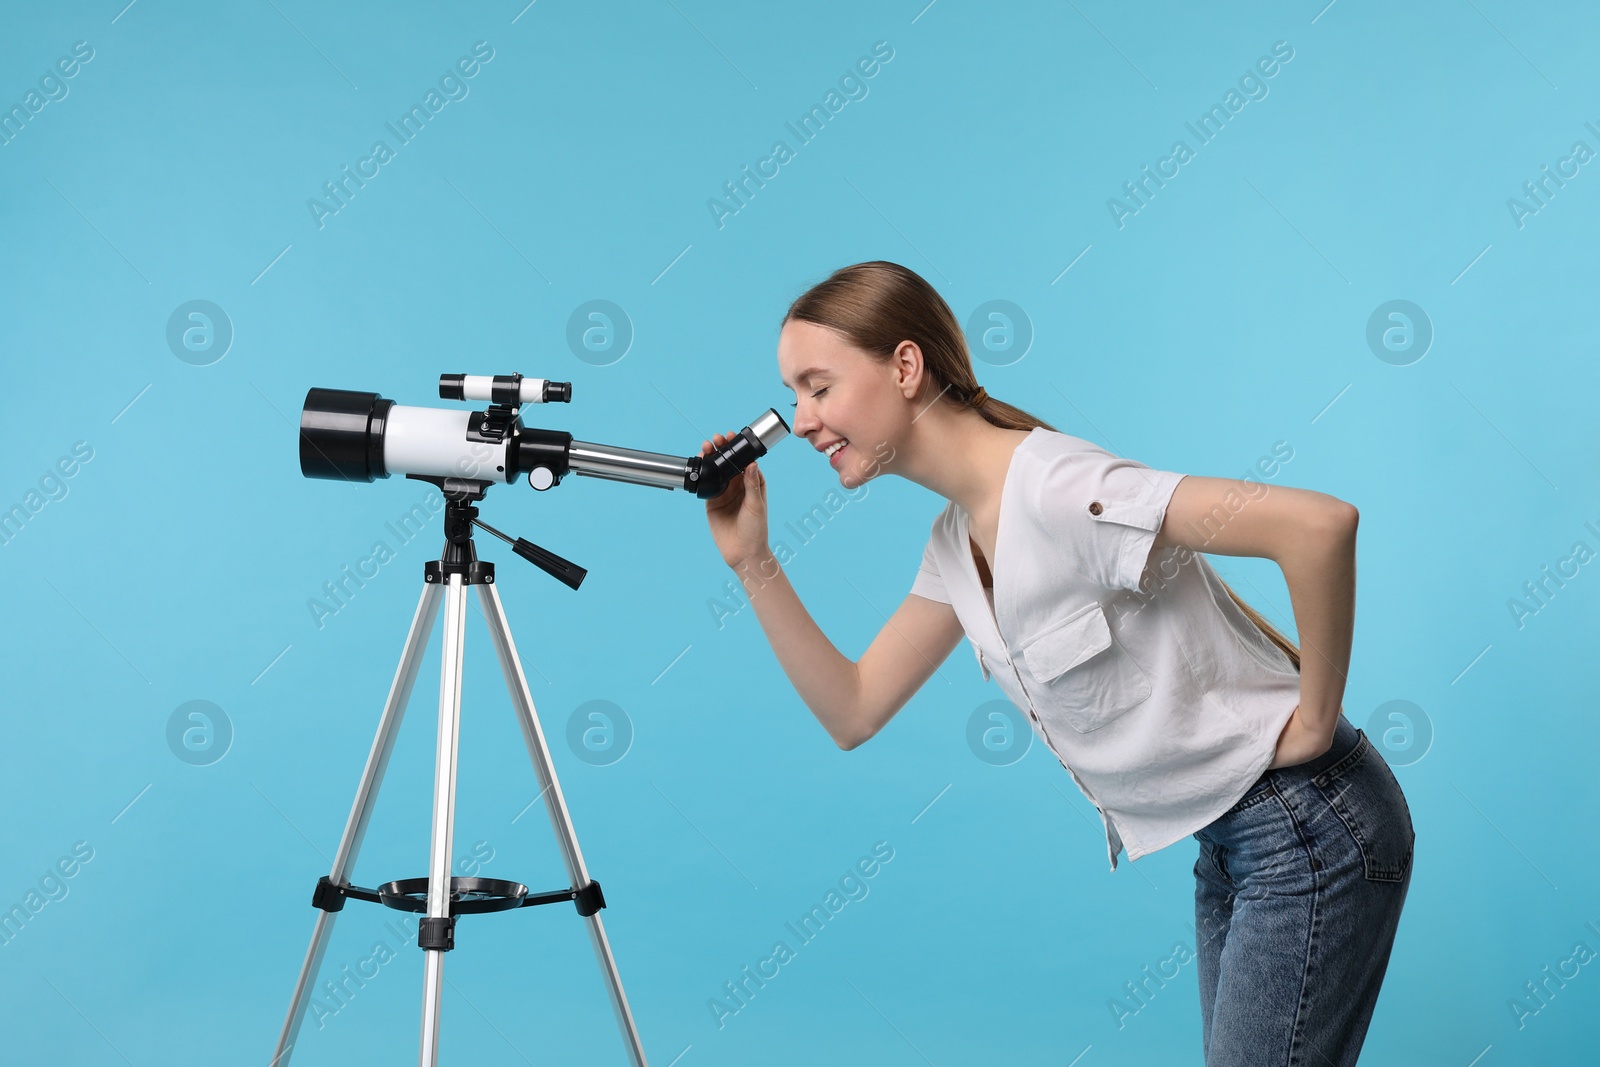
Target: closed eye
[819, 392]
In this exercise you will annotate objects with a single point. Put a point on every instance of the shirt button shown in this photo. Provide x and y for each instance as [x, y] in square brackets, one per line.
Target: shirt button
[1095, 508]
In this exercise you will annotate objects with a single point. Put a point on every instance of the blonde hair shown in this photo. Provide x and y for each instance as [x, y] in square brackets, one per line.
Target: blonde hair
[877, 304]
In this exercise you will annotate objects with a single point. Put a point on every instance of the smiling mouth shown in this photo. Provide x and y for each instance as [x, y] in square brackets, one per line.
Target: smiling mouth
[834, 451]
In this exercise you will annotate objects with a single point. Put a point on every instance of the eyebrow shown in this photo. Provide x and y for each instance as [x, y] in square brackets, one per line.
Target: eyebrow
[802, 376]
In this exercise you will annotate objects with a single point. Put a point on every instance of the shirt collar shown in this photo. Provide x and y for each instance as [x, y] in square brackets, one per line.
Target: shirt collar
[994, 621]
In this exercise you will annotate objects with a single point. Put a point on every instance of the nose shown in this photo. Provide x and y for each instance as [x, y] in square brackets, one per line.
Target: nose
[806, 422]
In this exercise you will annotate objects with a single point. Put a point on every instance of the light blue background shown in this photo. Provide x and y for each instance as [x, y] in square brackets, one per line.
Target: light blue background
[1228, 315]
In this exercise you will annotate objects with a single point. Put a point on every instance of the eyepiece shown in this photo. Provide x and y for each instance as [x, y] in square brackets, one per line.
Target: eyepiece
[769, 429]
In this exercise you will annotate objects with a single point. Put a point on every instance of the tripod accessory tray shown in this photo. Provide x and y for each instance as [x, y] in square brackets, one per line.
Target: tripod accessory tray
[468, 896]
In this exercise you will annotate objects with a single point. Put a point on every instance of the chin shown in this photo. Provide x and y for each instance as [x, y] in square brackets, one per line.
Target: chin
[853, 477]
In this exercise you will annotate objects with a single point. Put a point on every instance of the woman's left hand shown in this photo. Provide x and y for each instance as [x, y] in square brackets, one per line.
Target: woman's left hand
[1300, 743]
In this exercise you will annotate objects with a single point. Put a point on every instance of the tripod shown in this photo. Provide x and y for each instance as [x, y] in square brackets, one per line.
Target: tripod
[440, 897]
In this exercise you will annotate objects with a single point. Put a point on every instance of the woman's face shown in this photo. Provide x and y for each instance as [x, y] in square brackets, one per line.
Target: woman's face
[842, 395]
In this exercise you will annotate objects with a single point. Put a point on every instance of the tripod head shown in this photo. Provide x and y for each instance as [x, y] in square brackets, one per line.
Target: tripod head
[461, 554]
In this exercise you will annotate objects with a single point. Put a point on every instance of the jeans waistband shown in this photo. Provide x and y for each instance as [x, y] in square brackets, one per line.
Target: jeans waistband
[1345, 739]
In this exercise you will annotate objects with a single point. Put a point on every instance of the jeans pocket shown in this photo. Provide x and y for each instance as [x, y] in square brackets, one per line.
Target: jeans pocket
[1364, 793]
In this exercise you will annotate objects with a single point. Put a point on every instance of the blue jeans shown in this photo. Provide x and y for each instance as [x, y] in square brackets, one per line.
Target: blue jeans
[1298, 891]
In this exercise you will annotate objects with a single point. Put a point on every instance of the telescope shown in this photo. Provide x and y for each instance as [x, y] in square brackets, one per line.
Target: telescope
[361, 437]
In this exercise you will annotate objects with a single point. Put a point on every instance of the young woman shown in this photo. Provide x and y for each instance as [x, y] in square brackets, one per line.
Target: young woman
[1077, 577]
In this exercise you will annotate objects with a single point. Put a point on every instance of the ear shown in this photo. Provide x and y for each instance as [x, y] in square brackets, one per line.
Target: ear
[908, 368]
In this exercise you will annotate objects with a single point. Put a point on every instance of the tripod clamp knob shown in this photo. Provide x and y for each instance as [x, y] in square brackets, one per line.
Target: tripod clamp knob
[437, 933]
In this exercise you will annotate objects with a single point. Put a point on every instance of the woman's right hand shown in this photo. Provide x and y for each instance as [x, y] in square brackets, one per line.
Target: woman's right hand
[738, 516]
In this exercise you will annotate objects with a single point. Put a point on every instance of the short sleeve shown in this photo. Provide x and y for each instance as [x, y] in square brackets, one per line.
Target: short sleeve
[1116, 506]
[929, 583]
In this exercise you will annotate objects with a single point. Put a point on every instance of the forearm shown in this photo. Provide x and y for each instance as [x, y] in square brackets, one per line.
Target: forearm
[1320, 570]
[826, 680]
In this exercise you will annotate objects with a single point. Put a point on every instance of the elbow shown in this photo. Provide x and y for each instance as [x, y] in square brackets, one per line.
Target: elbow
[1347, 518]
[848, 742]
[1338, 520]
[853, 737]
[1327, 527]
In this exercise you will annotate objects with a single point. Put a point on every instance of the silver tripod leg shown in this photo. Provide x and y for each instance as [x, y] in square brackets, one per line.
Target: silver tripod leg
[361, 811]
[556, 806]
[444, 806]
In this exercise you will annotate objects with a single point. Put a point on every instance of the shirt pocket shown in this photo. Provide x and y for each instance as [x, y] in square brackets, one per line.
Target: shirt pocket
[1082, 671]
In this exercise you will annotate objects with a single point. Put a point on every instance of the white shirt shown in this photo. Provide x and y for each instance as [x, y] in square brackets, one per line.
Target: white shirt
[1155, 691]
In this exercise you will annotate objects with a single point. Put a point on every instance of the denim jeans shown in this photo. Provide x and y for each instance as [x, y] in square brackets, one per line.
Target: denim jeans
[1298, 891]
